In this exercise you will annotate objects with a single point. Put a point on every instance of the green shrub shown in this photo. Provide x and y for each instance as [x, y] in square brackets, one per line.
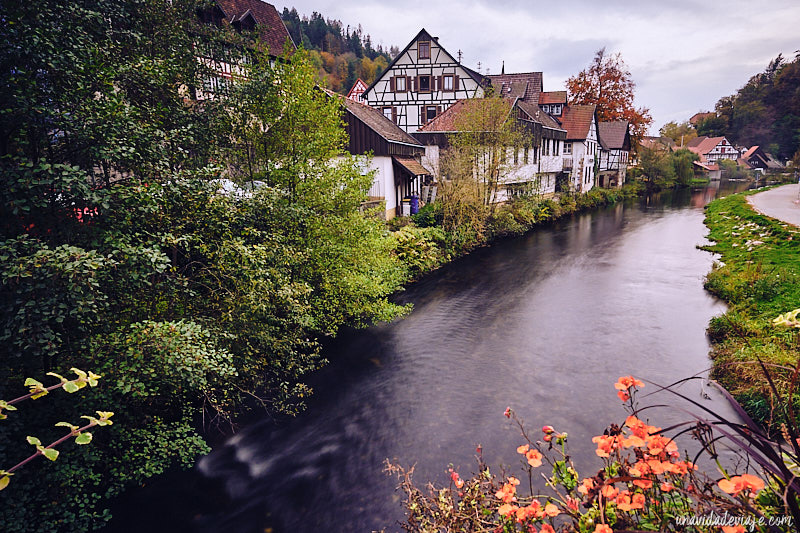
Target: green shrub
[428, 216]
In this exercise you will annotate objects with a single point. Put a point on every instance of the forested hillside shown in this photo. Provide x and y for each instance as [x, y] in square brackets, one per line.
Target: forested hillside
[341, 54]
[766, 111]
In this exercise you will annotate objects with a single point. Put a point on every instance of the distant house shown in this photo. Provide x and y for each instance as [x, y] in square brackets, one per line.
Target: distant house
[699, 117]
[615, 147]
[581, 148]
[754, 159]
[657, 143]
[396, 155]
[225, 66]
[712, 149]
[357, 90]
[421, 82]
[526, 168]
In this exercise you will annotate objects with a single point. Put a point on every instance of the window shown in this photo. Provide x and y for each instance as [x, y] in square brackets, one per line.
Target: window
[555, 109]
[525, 155]
[448, 82]
[556, 143]
[400, 84]
[567, 148]
[424, 50]
[430, 112]
[424, 84]
[516, 156]
[390, 113]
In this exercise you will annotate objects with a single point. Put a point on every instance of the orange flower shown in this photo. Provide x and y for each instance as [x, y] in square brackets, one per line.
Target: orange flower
[507, 509]
[534, 458]
[602, 528]
[507, 493]
[507, 412]
[534, 510]
[637, 501]
[522, 449]
[547, 528]
[733, 529]
[551, 510]
[737, 484]
[624, 396]
[666, 487]
[456, 479]
[608, 491]
[658, 445]
[626, 382]
[586, 485]
[624, 501]
[605, 444]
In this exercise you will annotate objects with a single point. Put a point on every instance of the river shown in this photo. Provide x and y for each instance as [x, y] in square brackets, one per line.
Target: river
[544, 323]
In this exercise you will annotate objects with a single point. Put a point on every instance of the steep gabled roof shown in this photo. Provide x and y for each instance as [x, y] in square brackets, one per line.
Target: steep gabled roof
[612, 135]
[694, 143]
[524, 85]
[375, 120]
[425, 36]
[273, 31]
[553, 97]
[577, 120]
[705, 145]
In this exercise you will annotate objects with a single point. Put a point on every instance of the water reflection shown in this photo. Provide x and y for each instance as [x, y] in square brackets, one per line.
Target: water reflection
[544, 323]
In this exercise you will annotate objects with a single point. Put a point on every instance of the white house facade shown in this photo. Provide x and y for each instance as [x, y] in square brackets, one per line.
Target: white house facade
[422, 82]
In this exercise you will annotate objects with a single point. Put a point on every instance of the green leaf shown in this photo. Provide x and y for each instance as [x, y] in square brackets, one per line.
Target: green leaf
[73, 427]
[71, 386]
[4, 481]
[50, 453]
[83, 438]
[60, 377]
[34, 441]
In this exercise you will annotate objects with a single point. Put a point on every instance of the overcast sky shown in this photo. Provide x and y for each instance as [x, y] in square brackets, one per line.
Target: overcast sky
[683, 54]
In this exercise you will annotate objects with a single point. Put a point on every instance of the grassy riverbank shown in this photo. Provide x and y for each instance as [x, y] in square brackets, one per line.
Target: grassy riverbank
[759, 277]
[425, 243]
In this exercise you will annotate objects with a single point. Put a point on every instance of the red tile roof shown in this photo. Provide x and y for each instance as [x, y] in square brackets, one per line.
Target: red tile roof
[577, 120]
[704, 145]
[273, 31]
[446, 121]
[553, 97]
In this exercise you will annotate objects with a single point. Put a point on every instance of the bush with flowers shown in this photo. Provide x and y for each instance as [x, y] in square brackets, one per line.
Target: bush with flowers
[645, 484]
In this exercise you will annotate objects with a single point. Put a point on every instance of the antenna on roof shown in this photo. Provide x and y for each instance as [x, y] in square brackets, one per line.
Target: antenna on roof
[460, 55]
[503, 69]
[479, 67]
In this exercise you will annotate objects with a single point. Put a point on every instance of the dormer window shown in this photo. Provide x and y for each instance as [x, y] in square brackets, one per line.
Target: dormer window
[424, 50]
[555, 109]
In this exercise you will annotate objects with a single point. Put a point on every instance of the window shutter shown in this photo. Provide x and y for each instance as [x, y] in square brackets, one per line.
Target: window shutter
[391, 84]
[416, 83]
[455, 82]
[409, 86]
[438, 110]
[441, 83]
[394, 114]
[421, 115]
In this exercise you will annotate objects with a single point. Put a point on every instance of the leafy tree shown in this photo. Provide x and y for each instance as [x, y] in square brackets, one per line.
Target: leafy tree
[608, 84]
[680, 133]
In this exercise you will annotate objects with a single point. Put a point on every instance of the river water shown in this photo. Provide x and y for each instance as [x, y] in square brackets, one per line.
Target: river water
[544, 323]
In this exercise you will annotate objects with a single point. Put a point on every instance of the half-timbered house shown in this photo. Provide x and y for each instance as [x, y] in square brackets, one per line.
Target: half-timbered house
[357, 90]
[581, 147]
[615, 148]
[712, 149]
[524, 169]
[395, 156]
[225, 64]
[421, 82]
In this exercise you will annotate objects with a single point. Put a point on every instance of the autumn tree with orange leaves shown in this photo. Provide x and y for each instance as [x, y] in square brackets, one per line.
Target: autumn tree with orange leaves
[607, 83]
